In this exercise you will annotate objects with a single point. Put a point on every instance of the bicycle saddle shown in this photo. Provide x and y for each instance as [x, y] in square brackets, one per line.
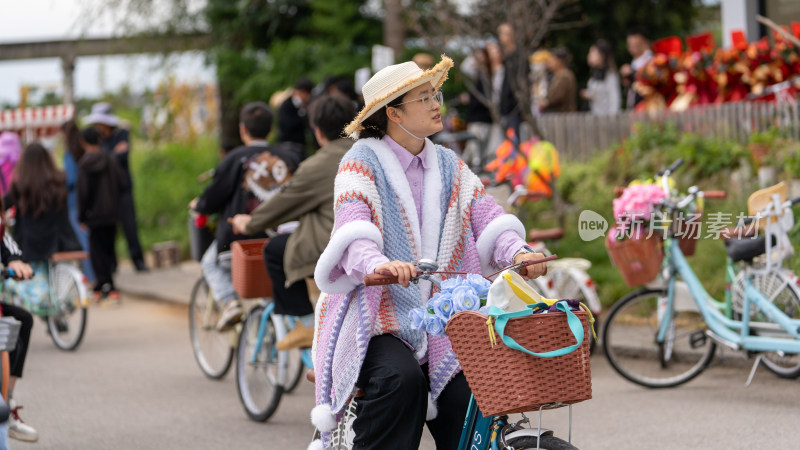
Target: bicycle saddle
[746, 249]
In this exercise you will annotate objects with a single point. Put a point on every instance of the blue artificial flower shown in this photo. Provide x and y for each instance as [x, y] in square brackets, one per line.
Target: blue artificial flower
[484, 310]
[442, 305]
[465, 299]
[418, 318]
[434, 324]
[479, 284]
[449, 284]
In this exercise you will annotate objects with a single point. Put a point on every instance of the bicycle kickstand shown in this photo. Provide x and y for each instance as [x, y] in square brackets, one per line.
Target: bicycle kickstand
[753, 371]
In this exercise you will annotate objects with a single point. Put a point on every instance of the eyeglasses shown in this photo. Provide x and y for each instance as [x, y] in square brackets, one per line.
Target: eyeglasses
[427, 101]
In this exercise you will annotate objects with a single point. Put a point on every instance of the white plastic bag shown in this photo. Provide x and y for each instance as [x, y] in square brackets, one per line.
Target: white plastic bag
[510, 292]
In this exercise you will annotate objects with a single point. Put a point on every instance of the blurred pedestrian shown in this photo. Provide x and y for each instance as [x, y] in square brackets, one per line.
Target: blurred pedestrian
[115, 140]
[10, 149]
[603, 89]
[101, 184]
[423, 60]
[639, 47]
[563, 89]
[73, 153]
[292, 115]
[515, 79]
[479, 116]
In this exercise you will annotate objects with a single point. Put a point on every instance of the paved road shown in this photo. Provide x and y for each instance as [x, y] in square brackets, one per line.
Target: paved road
[133, 384]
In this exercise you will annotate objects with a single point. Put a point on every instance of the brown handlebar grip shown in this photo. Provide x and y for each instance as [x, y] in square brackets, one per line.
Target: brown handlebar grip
[376, 279]
[715, 194]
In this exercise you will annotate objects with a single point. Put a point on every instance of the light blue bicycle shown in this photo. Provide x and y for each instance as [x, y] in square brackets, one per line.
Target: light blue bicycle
[264, 374]
[666, 335]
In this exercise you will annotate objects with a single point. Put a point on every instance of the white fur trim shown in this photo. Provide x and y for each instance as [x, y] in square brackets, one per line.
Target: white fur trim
[433, 411]
[316, 445]
[323, 418]
[486, 241]
[396, 177]
[431, 203]
[341, 239]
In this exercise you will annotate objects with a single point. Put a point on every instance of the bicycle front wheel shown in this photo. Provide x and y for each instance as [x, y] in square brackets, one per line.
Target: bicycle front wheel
[212, 349]
[66, 321]
[546, 442]
[257, 367]
[631, 347]
[778, 291]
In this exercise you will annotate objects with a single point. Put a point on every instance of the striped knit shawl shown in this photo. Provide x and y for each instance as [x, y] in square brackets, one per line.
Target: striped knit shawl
[373, 201]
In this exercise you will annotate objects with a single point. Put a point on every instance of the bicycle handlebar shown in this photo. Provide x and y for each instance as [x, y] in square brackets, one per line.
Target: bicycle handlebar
[378, 279]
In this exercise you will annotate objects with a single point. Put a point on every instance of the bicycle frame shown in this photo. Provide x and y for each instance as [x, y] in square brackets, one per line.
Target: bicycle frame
[733, 333]
[280, 331]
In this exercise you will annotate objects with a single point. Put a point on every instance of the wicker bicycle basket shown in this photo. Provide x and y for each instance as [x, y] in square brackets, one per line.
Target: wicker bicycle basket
[249, 273]
[506, 381]
[9, 333]
[637, 258]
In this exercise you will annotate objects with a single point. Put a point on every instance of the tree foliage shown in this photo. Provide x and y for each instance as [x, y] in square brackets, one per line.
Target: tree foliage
[260, 46]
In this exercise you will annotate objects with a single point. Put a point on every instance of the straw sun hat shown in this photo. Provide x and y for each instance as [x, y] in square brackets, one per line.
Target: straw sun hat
[392, 82]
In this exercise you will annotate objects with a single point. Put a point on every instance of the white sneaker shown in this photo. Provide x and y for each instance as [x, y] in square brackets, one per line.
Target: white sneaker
[231, 315]
[17, 429]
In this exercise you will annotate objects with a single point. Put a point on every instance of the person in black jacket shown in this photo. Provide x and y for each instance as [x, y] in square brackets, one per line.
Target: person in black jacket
[100, 184]
[292, 116]
[226, 196]
[115, 140]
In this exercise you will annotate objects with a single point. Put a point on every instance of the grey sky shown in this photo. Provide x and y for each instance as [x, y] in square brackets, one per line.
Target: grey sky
[38, 20]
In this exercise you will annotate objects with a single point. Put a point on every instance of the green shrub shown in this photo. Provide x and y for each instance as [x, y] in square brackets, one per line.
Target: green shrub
[165, 181]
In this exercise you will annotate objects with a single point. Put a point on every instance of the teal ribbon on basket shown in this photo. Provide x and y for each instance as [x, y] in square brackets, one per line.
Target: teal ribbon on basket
[501, 320]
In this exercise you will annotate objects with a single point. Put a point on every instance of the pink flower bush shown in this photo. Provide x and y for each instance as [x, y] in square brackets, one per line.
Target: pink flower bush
[636, 202]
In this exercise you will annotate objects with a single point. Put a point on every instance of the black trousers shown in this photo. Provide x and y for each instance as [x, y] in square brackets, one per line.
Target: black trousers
[17, 356]
[293, 300]
[102, 254]
[392, 411]
[127, 216]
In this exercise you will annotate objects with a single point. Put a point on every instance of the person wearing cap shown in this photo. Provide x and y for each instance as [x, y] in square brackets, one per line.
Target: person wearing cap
[116, 141]
[399, 198]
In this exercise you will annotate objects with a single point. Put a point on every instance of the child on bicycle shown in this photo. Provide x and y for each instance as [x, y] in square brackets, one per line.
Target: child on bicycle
[306, 197]
[399, 198]
[11, 257]
[225, 195]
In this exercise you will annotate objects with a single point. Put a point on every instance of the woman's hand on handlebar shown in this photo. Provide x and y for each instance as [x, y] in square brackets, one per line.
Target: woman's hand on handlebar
[404, 271]
[533, 270]
[22, 270]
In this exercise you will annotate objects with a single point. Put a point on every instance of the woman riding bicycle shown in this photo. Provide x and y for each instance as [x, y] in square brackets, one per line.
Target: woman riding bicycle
[400, 198]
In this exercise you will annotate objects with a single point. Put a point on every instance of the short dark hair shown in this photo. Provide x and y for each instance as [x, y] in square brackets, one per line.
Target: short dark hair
[331, 113]
[639, 31]
[562, 54]
[257, 119]
[376, 124]
[304, 84]
[90, 135]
